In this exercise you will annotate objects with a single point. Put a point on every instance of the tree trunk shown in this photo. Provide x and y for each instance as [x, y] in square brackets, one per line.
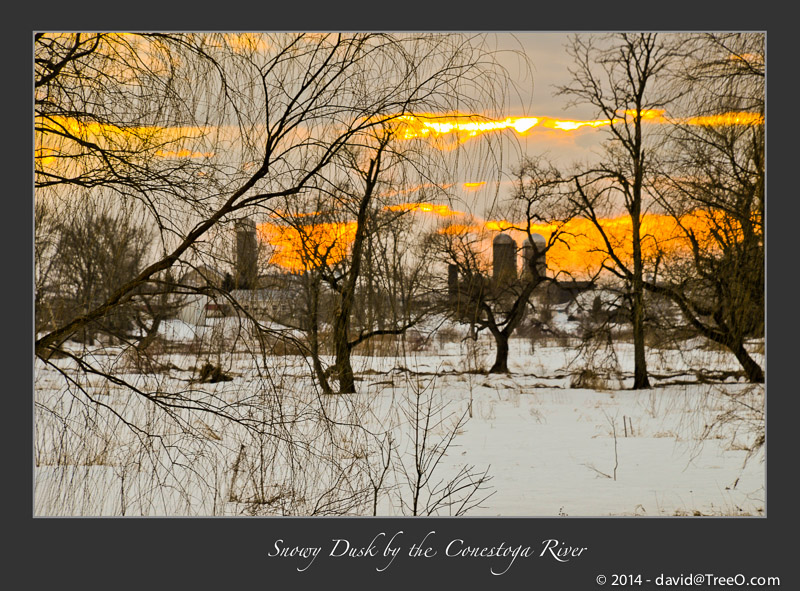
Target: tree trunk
[313, 333]
[501, 358]
[318, 369]
[719, 334]
[151, 335]
[343, 367]
[752, 370]
[640, 379]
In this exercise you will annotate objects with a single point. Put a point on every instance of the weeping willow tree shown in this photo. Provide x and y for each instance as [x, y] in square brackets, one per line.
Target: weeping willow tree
[191, 133]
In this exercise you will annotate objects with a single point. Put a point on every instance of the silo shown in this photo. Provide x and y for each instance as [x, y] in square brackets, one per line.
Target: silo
[504, 259]
[452, 282]
[245, 254]
[535, 249]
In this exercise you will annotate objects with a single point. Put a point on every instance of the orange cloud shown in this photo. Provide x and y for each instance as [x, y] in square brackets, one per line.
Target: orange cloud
[581, 249]
[464, 127]
[439, 210]
[305, 247]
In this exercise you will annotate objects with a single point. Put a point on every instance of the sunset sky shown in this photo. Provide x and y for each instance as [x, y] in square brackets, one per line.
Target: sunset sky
[540, 122]
[536, 121]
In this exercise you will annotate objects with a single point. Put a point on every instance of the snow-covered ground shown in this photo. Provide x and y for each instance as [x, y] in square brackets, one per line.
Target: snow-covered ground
[554, 451]
[552, 446]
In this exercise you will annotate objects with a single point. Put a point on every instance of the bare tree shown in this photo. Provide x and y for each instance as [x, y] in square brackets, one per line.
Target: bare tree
[193, 132]
[619, 76]
[345, 286]
[713, 190]
[432, 432]
[498, 301]
[96, 250]
[45, 240]
[356, 252]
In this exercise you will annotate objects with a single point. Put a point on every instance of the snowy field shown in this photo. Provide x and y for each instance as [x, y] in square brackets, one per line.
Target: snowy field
[544, 442]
